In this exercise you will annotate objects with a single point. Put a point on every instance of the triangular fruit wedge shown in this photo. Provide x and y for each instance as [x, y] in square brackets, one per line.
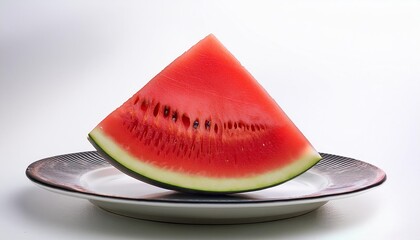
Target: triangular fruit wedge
[204, 125]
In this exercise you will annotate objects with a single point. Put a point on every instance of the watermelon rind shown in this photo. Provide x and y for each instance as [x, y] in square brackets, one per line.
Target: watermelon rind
[175, 180]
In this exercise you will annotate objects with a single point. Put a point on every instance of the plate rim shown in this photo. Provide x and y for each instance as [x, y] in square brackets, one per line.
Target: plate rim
[161, 202]
[153, 202]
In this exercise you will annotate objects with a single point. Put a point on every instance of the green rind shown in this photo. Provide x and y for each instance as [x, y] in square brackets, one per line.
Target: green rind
[136, 168]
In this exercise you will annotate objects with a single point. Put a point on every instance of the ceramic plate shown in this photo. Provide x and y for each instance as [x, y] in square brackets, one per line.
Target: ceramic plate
[87, 175]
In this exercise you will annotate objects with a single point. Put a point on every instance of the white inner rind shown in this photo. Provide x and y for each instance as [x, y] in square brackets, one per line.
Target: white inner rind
[308, 158]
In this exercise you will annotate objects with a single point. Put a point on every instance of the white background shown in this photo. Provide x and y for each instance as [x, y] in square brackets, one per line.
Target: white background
[346, 72]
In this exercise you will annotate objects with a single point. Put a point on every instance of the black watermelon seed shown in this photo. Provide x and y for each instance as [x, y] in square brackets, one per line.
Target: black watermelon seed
[166, 110]
[174, 116]
[207, 124]
[195, 124]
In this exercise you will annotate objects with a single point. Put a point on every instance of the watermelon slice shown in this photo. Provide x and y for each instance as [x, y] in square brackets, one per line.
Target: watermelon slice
[204, 125]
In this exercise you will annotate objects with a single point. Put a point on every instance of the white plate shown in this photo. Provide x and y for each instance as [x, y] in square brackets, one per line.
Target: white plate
[87, 175]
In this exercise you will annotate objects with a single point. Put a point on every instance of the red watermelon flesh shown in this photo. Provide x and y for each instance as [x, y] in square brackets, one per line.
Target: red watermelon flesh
[204, 124]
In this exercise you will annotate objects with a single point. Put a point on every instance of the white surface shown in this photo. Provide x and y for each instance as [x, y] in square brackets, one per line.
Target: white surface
[346, 72]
